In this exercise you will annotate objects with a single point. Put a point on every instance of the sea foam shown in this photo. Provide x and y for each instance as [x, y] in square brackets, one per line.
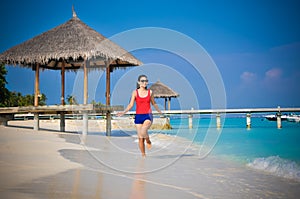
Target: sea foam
[277, 166]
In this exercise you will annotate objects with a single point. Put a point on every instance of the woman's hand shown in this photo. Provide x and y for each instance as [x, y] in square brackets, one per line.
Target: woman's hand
[120, 114]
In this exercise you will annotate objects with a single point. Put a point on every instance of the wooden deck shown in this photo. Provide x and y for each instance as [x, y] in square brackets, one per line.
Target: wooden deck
[82, 108]
[7, 113]
[242, 110]
[218, 112]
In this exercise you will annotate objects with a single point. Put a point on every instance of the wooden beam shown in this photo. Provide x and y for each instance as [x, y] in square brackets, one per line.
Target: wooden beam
[85, 83]
[36, 124]
[108, 113]
[63, 83]
[85, 100]
[37, 84]
[62, 114]
[107, 65]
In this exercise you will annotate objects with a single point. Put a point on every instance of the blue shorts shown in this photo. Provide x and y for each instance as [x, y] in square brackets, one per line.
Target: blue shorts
[140, 118]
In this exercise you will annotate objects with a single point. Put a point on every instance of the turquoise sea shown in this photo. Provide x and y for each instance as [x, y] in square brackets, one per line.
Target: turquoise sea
[262, 147]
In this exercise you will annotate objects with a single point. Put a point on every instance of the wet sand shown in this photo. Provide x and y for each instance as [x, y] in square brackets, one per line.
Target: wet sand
[49, 164]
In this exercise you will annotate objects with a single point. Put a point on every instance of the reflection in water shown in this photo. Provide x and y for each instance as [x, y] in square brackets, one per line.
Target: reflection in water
[138, 186]
[99, 186]
[75, 191]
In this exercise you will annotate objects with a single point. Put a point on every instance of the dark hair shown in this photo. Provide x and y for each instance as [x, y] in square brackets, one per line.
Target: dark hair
[139, 78]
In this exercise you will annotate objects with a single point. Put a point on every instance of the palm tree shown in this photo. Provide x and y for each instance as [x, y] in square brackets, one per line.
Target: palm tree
[71, 100]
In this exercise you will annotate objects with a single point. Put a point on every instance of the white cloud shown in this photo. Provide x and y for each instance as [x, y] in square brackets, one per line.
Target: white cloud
[248, 77]
[273, 73]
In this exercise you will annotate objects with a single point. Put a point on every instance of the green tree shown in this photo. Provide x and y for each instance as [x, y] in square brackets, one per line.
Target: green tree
[12, 99]
[96, 103]
[4, 92]
[42, 99]
[71, 100]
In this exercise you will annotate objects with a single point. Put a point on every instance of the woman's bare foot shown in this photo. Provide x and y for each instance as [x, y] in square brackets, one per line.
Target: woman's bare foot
[149, 145]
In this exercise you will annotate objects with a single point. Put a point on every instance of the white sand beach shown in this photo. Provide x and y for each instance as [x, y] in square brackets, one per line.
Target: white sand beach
[50, 164]
[27, 155]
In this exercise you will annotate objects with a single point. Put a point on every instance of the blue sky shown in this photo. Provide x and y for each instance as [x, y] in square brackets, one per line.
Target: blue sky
[255, 45]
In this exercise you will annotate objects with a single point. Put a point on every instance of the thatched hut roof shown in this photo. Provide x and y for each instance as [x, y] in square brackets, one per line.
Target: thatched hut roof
[160, 90]
[71, 42]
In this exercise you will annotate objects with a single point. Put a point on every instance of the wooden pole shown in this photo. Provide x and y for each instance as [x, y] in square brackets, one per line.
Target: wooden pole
[85, 83]
[62, 114]
[36, 124]
[37, 84]
[190, 121]
[107, 64]
[190, 116]
[169, 104]
[279, 120]
[63, 83]
[165, 104]
[85, 101]
[248, 120]
[218, 120]
[108, 114]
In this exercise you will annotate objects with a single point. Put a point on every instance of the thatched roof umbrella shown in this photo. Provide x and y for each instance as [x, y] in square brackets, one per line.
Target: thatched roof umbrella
[68, 47]
[160, 90]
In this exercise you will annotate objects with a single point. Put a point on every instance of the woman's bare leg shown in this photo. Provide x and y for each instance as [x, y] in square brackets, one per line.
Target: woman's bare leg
[142, 146]
[142, 131]
[146, 125]
[141, 139]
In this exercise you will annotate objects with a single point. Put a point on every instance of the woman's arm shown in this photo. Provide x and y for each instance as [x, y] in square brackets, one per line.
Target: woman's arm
[154, 103]
[130, 105]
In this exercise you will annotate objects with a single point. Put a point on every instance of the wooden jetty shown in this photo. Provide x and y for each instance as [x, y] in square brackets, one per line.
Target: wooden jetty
[247, 111]
[8, 113]
[218, 112]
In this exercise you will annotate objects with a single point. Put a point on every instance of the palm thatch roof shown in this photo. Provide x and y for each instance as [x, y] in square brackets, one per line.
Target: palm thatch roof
[71, 43]
[160, 90]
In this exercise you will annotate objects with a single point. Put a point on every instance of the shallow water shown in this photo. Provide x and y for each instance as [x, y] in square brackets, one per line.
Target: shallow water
[262, 147]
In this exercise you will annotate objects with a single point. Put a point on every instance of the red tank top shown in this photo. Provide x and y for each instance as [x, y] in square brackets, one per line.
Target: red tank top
[143, 103]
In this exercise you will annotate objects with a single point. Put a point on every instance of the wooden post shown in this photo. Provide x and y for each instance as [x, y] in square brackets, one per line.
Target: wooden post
[62, 122]
[36, 124]
[279, 120]
[248, 120]
[190, 121]
[37, 85]
[165, 104]
[63, 83]
[62, 114]
[5, 118]
[169, 103]
[85, 100]
[108, 114]
[107, 64]
[85, 83]
[218, 120]
[85, 127]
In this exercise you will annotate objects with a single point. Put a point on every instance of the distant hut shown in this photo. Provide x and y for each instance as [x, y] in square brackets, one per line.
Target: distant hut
[70, 46]
[160, 90]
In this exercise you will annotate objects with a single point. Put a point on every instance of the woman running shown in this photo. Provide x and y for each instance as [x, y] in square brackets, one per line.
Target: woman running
[143, 118]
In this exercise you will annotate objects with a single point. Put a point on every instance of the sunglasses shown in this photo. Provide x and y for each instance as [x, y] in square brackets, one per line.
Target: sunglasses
[143, 81]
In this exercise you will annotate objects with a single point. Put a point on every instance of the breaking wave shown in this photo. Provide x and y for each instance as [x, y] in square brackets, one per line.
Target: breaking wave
[277, 166]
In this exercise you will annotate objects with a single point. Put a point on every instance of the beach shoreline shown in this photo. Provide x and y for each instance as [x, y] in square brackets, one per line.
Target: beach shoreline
[94, 125]
[27, 155]
[47, 163]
